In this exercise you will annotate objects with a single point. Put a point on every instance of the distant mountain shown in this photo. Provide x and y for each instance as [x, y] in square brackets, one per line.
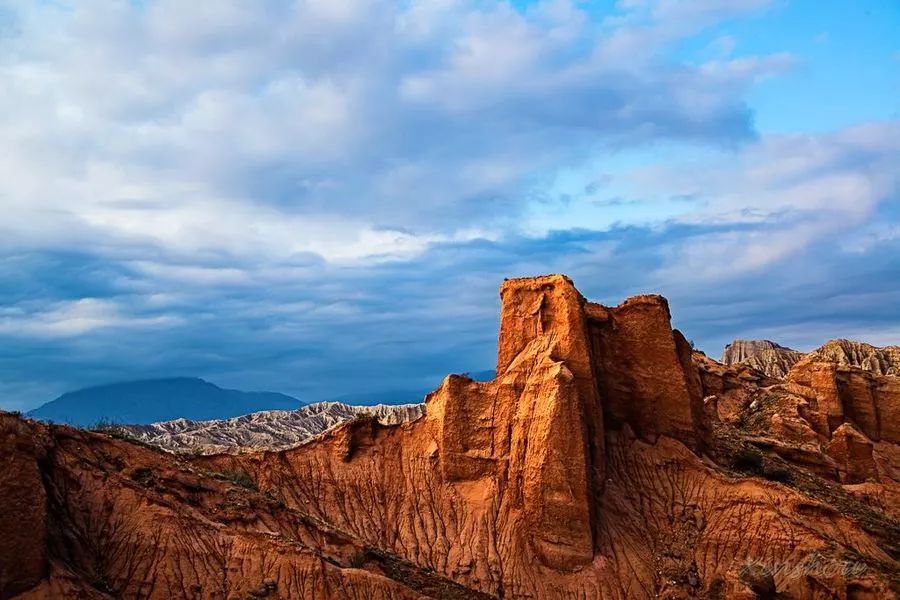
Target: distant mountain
[151, 400]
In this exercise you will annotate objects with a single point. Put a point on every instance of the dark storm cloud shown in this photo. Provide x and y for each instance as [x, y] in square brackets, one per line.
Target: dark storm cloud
[404, 325]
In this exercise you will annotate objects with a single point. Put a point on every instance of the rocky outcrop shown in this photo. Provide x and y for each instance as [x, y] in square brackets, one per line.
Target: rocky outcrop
[837, 393]
[853, 453]
[644, 369]
[763, 355]
[846, 353]
[265, 430]
[23, 509]
[740, 350]
[599, 463]
[776, 361]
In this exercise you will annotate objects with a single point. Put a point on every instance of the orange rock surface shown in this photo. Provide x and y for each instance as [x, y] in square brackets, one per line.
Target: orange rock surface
[605, 460]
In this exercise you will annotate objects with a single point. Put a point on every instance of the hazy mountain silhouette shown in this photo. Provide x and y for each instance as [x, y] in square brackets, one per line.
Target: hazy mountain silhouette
[147, 401]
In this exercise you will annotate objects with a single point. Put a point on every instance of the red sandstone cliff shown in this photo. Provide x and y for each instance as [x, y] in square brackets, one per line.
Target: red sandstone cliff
[605, 460]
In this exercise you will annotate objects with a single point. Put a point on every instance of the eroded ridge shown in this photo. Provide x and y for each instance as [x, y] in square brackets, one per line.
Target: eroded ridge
[606, 459]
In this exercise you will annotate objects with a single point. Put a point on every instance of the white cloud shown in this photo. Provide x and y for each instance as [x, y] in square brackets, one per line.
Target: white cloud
[840, 176]
[801, 188]
[345, 128]
[73, 318]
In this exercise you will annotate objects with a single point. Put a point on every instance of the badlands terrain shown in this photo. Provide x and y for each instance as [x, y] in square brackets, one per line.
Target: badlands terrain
[607, 459]
[264, 430]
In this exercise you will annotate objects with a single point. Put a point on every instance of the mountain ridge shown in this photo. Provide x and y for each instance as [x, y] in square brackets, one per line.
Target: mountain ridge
[147, 400]
[264, 430]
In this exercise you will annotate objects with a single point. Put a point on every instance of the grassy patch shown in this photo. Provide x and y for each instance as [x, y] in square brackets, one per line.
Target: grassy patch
[240, 478]
[112, 429]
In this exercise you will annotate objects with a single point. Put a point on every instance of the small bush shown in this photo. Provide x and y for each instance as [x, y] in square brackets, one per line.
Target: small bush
[748, 459]
[144, 476]
[358, 559]
[276, 499]
[777, 473]
[240, 478]
[104, 425]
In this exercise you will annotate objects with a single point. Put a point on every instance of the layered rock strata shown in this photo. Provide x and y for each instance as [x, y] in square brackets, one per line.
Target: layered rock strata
[763, 355]
[265, 430]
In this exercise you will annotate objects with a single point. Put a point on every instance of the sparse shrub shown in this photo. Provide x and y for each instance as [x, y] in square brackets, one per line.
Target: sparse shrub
[101, 583]
[240, 478]
[115, 430]
[358, 559]
[143, 476]
[748, 459]
[109, 427]
[777, 473]
[103, 425]
[716, 589]
[277, 499]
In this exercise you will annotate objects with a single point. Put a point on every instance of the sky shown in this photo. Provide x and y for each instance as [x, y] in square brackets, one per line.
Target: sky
[322, 197]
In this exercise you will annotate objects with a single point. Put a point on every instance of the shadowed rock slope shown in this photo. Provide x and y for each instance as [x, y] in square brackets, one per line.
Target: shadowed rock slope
[605, 460]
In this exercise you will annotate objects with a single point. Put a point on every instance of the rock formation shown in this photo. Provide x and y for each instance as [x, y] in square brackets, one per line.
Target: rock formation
[763, 355]
[776, 361]
[605, 460]
[740, 350]
[881, 361]
[265, 430]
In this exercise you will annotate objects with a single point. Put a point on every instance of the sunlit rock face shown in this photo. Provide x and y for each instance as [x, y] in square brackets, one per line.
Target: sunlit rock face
[605, 460]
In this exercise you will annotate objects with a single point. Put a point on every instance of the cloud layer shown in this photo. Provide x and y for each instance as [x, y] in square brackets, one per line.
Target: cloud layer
[314, 196]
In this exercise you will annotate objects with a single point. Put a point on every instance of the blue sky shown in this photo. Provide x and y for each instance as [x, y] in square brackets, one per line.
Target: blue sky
[322, 197]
